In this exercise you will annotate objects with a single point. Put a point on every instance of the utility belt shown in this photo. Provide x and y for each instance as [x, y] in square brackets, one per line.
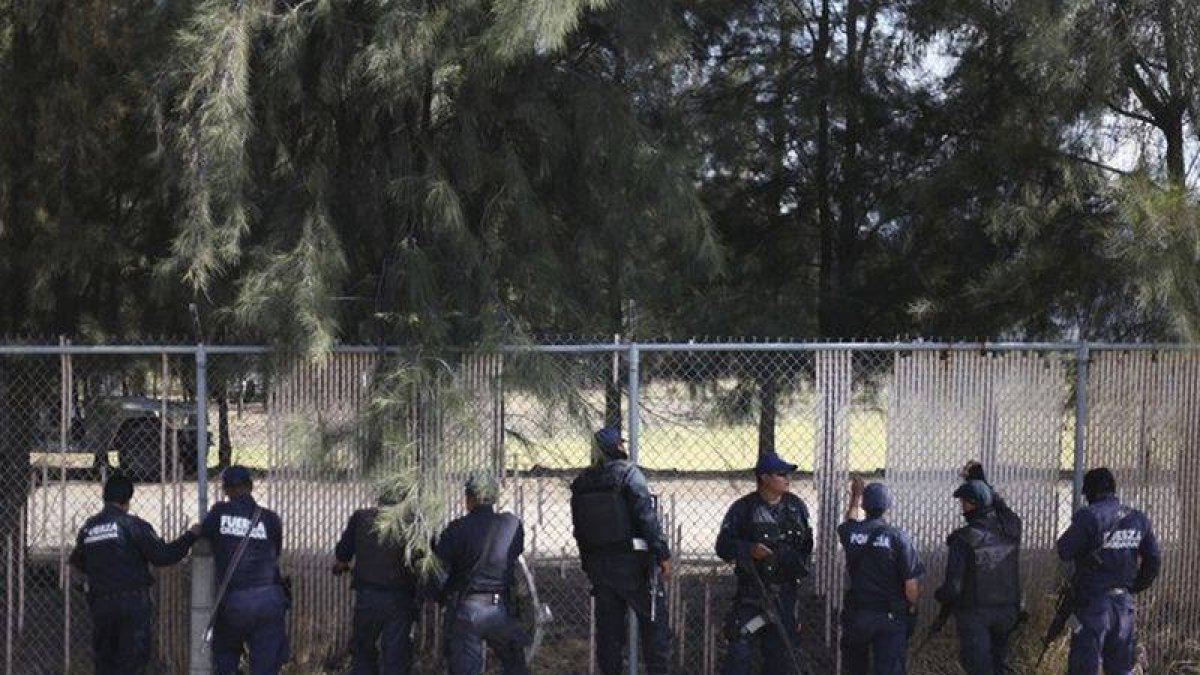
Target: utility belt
[493, 599]
[888, 606]
[634, 545]
[137, 591]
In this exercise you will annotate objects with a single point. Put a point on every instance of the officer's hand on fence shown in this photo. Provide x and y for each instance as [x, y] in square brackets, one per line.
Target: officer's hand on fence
[664, 567]
[856, 488]
[758, 552]
[972, 470]
[340, 568]
[195, 530]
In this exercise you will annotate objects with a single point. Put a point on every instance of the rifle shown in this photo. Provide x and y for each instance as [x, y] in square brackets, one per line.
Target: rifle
[939, 622]
[655, 571]
[1064, 607]
[770, 603]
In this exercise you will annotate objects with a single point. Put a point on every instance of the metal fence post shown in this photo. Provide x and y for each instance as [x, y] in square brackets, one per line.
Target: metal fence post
[634, 377]
[1082, 356]
[202, 560]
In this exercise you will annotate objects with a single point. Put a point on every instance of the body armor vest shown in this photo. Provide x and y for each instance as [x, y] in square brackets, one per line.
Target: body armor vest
[599, 513]
[993, 575]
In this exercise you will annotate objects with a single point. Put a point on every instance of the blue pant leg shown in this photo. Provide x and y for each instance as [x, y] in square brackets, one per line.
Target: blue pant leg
[889, 644]
[228, 642]
[134, 630]
[974, 642]
[610, 629]
[656, 638]
[739, 648]
[856, 642]
[1120, 645]
[395, 638]
[774, 649]
[464, 647]
[267, 639]
[105, 636]
[366, 629]
[1003, 621]
[1088, 637]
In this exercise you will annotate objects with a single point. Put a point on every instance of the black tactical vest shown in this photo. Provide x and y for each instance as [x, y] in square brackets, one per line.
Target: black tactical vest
[993, 575]
[599, 512]
[781, 526]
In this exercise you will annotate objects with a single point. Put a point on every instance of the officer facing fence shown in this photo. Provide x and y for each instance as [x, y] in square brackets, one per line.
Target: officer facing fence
[252, 602]
[767, 535]
[114, 549]
[478, 554]
[385, 596]
[624, 554]
[1115, 555]
[983, 586]
[880, 605]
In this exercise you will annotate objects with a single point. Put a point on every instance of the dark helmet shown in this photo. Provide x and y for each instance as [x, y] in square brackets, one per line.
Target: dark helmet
[608, 441]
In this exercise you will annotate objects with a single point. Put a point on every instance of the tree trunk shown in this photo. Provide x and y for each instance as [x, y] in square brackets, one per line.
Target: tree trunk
[826, 263]
[224, 442]
[21, 151]
[768, 412]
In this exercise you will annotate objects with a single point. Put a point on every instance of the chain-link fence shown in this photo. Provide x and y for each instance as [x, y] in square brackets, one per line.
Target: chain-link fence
[318, 432]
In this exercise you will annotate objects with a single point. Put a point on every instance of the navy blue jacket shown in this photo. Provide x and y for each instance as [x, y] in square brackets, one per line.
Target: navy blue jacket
[880, 558]
[114, 548]
[379, 565]
[226, 524]
[1128, 557]
[737, 537]
[461, 544]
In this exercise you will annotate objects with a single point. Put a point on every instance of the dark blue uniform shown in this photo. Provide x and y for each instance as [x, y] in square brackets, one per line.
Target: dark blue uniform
[620, 575]
[1115, 554]
[253, 611]
[784, 528]
[113, 549]
[478, 592]
[983, 587]
[880, 558]
[385, 601]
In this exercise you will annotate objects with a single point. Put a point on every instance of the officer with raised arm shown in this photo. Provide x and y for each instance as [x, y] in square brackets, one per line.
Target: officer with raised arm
[478, 553]
[1115, 555]
[247, 540]
[114, 549]
[621, 543]
[767, 535]
[880, 607]
[385, 595]
[982, 587]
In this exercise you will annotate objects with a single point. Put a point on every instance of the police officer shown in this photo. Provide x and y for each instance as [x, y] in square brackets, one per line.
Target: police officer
[983, 584]
[1115, 554]
[622, 547]
[478, 553]
[385, 595]
[880, 605]
[252, 613]
[113, 549]
[767, 535]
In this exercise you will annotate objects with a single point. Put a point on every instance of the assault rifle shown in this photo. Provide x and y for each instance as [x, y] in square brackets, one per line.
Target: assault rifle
[770, 607]
[939, 622]
[1064, 606]
[655, 571]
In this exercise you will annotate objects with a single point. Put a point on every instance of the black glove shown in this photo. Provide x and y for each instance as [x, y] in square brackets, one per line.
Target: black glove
[910, 619]
[973, 471]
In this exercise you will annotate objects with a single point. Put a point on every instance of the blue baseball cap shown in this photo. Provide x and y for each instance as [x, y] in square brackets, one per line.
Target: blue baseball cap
[877, 497]
[771, 462]
[236, 475]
